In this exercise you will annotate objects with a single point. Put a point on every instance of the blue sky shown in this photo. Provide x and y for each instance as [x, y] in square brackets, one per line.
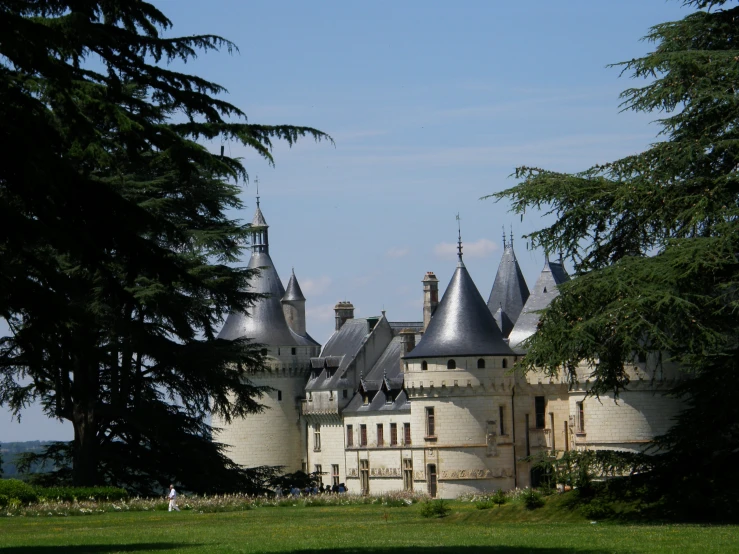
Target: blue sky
[431, 105]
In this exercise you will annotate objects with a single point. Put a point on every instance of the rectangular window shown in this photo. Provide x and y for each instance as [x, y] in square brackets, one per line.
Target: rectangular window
[294, 351]
[364, 476]
[362, 435]
[540, 404]
[279, 396]
[432, 480]
[317, 438]
[319, 474]
[380, 434]
[349, 435]
[407, 434]
[408, 474]
[335, 474]
[501, 419]
[430, 423]
[580, 417]
[344, 393]
[393, 434]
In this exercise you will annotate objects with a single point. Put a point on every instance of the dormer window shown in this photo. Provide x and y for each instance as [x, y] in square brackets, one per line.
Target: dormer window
[451, 364]
[388, 398]
[365, 400]
[481, 364]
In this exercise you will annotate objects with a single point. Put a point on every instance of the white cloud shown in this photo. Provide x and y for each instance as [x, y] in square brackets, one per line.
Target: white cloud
[324, 312]
[397, 252]
[478, 249]
[315, 287]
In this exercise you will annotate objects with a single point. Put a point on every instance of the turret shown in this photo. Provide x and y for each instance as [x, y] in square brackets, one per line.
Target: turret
[509, 293]
[293, 306]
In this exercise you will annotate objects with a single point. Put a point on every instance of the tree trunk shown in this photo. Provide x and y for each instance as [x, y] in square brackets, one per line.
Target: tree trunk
[84, 457]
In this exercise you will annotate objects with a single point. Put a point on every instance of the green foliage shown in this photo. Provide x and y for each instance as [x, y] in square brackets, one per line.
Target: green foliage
[117, 248]
[532, 499]
[498, 498]
[653, 238]
[13, 489]
[71, 494]
[598, 509]
[435, 508]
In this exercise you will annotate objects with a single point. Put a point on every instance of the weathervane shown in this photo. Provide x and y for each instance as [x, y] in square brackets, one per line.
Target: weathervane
[459, 235]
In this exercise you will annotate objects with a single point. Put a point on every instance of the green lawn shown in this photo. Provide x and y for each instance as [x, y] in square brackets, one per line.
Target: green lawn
[368, 529]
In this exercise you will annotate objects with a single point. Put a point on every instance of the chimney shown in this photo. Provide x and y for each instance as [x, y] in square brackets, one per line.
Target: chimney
[430, 297]
[344, 311]
[407, 344]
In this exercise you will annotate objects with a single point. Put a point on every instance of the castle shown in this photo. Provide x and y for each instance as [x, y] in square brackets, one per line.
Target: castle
[429, 406]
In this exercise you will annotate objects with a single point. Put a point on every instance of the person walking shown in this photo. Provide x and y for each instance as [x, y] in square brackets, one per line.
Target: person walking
[173, 499]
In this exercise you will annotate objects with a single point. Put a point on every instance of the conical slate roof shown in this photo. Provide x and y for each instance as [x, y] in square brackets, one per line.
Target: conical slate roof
[542, 294]
[509, 290]
[462, 325]
[504, 322]
[265, 322]
[293, 292]
[259, 220]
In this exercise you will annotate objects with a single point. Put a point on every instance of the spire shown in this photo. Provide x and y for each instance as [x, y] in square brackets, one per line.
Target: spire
[293, 292]
[509, 292]
[259, 229]
[504, 245]
[511, 235]
[459, 242]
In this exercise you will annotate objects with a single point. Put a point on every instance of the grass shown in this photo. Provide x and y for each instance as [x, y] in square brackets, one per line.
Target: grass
[360, 529]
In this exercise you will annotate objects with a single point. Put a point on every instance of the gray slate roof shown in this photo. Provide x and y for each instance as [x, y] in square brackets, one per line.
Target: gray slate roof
[504, 322]
[384, 381]
[344, 344]
[462, 324]
[509, 290]
[259, 220]
[293, 291]
[544, 291]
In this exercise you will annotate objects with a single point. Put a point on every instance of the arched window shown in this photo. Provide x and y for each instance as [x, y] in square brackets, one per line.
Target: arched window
[480, 364]
[505, 363]
[424, 365]
[451, 364]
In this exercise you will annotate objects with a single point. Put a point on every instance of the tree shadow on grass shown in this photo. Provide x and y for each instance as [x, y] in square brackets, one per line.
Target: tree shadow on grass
[450, 550]
[95, 548]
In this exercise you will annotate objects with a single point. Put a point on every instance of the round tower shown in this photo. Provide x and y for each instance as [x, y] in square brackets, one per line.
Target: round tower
[276, 436]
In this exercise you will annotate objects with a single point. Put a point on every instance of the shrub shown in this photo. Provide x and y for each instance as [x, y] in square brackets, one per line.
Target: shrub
[72, 494]
[499, 498]
[4, 500]
[14, 489]
[597, 509]
[485, 504]
[435, 508]
[532, 499]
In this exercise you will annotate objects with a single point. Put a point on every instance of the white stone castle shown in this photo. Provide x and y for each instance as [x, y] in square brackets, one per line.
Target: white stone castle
[427, 406]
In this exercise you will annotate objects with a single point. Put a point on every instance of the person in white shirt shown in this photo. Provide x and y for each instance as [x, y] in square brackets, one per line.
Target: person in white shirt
[173, 499]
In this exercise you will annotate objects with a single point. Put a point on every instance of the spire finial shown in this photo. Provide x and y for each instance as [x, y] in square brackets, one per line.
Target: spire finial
[511, 235]
[256, 180]
[504, 246]
[459, 235]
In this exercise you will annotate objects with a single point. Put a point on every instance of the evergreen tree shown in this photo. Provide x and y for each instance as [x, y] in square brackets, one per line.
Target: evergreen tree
[115, 244]
[654, 240]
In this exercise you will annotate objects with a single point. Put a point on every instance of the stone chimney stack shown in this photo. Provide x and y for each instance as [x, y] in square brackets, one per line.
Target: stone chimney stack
[344, 311]
[407, 344]
[430, 297]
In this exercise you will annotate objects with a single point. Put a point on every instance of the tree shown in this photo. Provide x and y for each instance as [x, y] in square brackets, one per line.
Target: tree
[654, 240]
[115, 250]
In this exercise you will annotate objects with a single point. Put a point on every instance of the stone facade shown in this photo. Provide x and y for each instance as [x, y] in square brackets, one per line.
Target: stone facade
[391, 406]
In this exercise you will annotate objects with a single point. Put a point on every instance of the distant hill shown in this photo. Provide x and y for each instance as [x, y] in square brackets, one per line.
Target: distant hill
[9, 451]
